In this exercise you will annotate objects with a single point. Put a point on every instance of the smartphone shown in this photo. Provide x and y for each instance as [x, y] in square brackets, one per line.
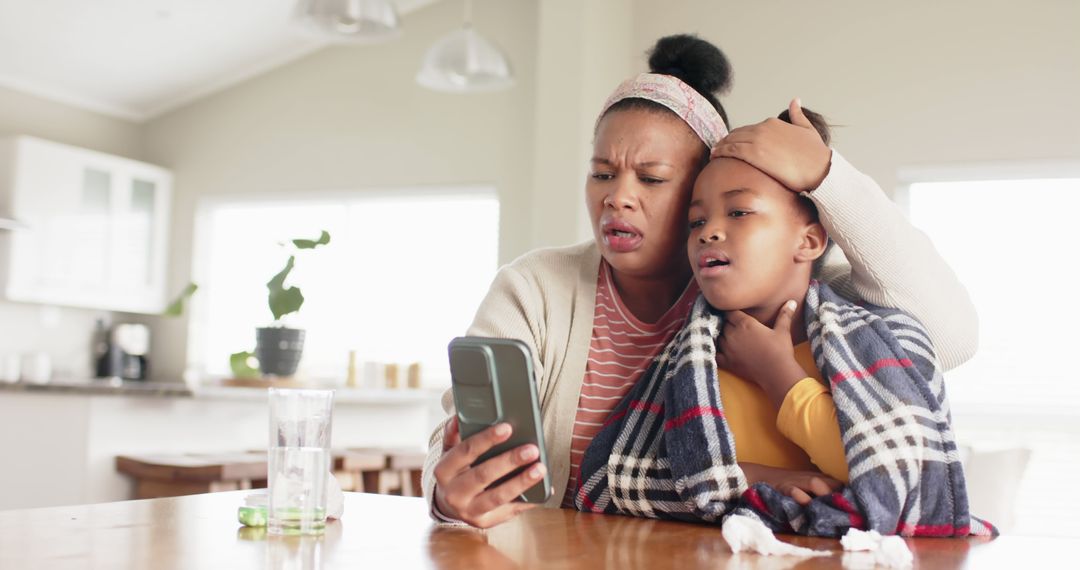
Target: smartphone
[493, 382]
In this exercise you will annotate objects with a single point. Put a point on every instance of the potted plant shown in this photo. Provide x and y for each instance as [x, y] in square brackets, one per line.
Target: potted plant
[277, 347]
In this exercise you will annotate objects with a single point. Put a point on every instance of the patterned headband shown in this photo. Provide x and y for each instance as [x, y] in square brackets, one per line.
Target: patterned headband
[676, 95]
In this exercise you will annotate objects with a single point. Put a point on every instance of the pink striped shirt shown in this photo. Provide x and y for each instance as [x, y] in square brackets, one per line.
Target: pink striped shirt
[621, 350]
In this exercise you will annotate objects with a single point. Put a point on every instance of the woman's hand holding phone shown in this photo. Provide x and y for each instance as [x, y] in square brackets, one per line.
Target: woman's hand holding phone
[461, 489]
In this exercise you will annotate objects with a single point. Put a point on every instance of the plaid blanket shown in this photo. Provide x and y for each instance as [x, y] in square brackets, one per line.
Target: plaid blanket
[666, 450]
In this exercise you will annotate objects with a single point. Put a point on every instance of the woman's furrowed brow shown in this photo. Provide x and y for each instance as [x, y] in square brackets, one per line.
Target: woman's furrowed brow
[647, 164]
[653, 164]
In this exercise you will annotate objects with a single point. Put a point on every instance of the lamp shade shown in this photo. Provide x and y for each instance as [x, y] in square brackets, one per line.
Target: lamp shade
[464, 62]
[349, 21]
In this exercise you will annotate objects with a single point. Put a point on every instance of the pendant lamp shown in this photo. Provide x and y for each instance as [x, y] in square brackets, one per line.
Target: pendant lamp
[463, 61]
[349, 21]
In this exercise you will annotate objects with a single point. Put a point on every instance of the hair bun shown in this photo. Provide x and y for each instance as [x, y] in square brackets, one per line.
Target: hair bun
[695, 61]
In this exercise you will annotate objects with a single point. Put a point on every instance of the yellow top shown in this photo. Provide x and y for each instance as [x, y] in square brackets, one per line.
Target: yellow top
[803, 435]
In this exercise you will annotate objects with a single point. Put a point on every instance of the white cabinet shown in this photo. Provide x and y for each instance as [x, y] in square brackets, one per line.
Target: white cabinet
[95, 227]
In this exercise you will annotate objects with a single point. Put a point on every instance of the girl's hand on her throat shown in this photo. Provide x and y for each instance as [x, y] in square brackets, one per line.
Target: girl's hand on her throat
[792, 153]
[759, 354]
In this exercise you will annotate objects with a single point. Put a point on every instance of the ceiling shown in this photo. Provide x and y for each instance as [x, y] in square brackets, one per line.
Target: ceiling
[137, 59]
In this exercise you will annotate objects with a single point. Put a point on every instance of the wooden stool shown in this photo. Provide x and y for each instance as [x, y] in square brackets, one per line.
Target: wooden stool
[175, 475]
[400, 472]
[409, 463]
[362, 468]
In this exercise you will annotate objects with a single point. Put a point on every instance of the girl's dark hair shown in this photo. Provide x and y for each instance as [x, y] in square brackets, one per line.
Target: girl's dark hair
[696, 62]
[821, 125]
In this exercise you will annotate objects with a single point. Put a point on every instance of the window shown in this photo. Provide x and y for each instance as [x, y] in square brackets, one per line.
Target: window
[1011, 241]
[403, 274]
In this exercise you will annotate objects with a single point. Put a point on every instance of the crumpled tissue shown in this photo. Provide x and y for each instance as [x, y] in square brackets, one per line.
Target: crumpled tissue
[335, 499]
[868, 549]
[863, 549]
[747, 534]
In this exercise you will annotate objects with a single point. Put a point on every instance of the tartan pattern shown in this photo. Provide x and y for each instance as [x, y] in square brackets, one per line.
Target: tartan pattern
[666, 450]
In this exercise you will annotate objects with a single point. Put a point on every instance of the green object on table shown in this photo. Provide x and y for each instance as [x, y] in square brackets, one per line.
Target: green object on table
[252, 516]
[253, 511]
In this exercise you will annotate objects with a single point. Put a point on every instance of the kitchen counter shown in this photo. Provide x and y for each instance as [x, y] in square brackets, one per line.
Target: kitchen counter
[102, 387]
[66, 435]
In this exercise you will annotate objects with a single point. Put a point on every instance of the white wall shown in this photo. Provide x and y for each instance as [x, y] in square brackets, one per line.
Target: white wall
[918, 82]
[350, 118]
[581, 55]
[25, 114]
[64, 334]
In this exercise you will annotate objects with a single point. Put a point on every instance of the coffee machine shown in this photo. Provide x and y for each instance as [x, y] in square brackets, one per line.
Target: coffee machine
[122, 352]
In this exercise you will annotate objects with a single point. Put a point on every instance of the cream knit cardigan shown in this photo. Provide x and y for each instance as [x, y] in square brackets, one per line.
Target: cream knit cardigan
[546, 298]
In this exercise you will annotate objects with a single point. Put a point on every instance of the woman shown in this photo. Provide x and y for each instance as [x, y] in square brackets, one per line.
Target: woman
[596, 314]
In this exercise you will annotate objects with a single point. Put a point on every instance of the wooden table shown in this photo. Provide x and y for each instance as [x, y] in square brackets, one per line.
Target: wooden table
[200, 531]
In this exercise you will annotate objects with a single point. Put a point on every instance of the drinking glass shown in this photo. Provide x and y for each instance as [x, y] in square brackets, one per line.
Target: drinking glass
[299, 460]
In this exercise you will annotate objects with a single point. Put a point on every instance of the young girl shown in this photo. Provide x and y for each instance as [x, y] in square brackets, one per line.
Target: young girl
[753, 245]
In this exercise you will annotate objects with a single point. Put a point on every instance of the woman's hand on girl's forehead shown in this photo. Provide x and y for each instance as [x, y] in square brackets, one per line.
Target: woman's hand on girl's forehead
[793, 154]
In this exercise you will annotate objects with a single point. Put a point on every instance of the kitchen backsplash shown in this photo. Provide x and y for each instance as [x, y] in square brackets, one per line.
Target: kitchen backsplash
[64, 334]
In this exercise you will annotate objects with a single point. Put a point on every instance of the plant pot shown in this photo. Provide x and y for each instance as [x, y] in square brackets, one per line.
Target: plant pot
[278, 350]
